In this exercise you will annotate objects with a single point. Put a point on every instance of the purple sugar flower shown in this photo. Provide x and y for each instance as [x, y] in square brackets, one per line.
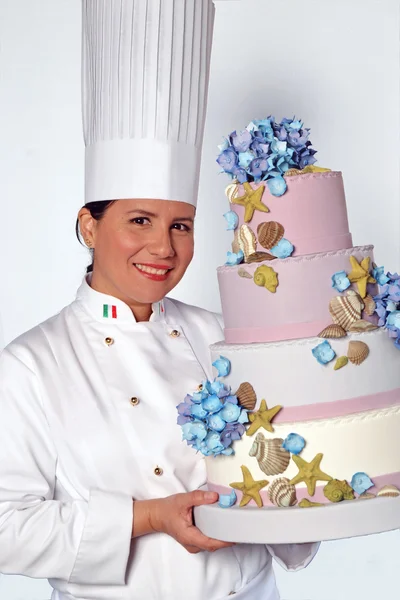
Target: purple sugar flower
[241, 142]
[227, 160]
[257, 167]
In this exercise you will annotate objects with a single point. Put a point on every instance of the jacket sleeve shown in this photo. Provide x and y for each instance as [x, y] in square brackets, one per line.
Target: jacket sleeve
[86, 541]
[293, 557]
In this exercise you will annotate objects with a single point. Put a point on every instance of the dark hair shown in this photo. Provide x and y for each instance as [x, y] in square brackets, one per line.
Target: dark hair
[97, 211]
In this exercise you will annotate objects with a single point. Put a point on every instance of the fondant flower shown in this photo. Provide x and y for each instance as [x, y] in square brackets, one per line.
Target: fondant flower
[227, 160]
[232, 220]
[198, 412]
[294, 443]
[257, 167]
[231, 412]
[240, 174]
[393, 320]
[340, 281]
[212, 404]
[360, 482]
[283, 249]
[232, 432]
[227, 500]
[216, 422]
[245, 159]
[194, 430]
[241, 142]
[324, 353]
[185, 411]
[379, 275]
[277, 185]
[223, 366]
[234, 258]
[217, 387]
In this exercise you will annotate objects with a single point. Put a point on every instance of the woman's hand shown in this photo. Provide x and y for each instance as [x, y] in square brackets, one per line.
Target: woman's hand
[174, 516]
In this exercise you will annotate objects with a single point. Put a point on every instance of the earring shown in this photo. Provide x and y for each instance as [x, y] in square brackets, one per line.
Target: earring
[88, 243]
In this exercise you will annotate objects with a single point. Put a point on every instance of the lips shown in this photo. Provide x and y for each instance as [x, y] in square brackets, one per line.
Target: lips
[154, 272]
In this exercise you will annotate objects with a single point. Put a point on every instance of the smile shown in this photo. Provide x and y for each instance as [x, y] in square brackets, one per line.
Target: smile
[152, 272]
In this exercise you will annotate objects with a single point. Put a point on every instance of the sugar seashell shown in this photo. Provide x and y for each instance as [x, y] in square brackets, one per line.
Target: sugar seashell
[357, 352]
[292, 172]
[235, 242]
[272, 458]
[341, 362]
[231, 191]
[265, 276]
[269, 234]
[247, 241]
[366, 496]
[282, 493]
[260, 256]
[337, 490]
[243, 273]
[306, 503]
[369, 305]
[333, 331]
[246, 396]
[361, 326]
[389, 491]
[345, 310]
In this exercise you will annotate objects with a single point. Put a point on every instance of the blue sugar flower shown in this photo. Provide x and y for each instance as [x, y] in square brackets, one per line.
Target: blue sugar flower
[397, 341]
[234, 258]
[197, 397]
[277, 185]
[324, 353]
[194, 430]
[218, 388]
[231, 399]
[360, 482]
[215, 422]
[379, 274]
[245, 159]
[201, 446]
[198, 412]
[240, 174]
[283, 249]
[241, 142]
[231, 433]
[212, 404]
[340, 281]
[243, 417]
[213, 442]
[232, 220]
[223, 366]
[257, 167]
[227, 500]
[294, 443]
[393, 320]
[227, 160]
[224, 146]
[230, 412]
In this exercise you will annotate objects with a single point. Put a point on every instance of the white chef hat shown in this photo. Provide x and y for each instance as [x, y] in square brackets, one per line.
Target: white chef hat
[145, 83]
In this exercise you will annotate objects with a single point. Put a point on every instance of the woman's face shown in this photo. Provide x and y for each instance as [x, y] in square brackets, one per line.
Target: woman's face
[142, 248]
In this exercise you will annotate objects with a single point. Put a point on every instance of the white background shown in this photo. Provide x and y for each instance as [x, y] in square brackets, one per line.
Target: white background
[333, 63]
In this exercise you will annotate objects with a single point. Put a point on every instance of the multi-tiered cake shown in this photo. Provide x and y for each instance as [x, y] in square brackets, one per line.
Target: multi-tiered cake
[306, 407]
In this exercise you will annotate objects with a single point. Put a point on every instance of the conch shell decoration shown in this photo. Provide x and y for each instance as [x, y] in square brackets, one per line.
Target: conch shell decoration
[336, 491]
[272, 458]
[243, 273]
[265, 276]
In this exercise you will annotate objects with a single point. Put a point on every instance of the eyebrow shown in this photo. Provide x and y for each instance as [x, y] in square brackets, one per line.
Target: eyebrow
[146, 213]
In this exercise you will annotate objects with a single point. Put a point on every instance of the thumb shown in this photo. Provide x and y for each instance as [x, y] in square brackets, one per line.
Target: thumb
[198, 498]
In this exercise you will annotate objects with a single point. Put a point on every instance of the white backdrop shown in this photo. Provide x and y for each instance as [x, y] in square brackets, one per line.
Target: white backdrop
[334, 63]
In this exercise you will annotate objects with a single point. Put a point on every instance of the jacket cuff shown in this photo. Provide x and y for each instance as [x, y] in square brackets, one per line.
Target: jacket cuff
[294, 557]
[104, 548]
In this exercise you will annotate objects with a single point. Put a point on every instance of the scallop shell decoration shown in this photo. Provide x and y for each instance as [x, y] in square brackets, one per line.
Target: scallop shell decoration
[357, 352]
[362, 326]
[282, 493]
[235, 242]
[260, 256]
[265, 276]
[269, 234]
[333, 331]
[243, 273]
[231, 191]
[247, 241]
[272, 458]
[345, 310]
[389, 491]
[369, 305]
[246, 396]
[337, 490]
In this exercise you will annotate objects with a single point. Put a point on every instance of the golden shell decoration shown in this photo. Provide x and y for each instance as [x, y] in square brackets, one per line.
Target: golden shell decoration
[345, 310]
[340, 362]
[366, 496]
[389, 491]
[282, 493]
[231, 191]
[292, 172]
[260, 256]
[306, 503]
[269, 234]
[265, 276]
[246, 396]
[357, 352]
[243, 273]
[247, 241]
[272, 458]
[235, 242]
[369, 305]
[333, 331]
[336, 491]
[362, 326]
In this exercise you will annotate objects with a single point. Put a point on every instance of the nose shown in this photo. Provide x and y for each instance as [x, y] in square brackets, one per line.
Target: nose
[160, 244]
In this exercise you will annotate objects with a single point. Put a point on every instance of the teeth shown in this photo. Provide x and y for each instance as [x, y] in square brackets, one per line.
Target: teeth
[151, 270]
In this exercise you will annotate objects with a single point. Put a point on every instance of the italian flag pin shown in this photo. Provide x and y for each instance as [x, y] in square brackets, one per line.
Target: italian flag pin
[109, 311]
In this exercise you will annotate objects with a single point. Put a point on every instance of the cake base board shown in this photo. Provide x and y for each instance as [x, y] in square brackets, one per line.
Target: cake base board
[253, 525]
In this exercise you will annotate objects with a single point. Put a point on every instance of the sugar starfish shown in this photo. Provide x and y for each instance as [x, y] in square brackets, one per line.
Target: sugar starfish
[310, 472]
[360, 274]
[251, 200]
[262, 418]
[249, 488]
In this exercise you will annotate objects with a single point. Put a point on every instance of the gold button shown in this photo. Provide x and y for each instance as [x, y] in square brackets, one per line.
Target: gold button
[109, 341]
[135, 401]
[174, 333]
[200, 387]
[158, 471]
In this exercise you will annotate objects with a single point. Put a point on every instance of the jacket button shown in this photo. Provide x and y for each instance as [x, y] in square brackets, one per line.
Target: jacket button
[174, 333]
[109, 341]
[135, 401]
[158, 471]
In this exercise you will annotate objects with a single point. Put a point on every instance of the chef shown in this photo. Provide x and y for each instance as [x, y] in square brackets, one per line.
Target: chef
[96, 486]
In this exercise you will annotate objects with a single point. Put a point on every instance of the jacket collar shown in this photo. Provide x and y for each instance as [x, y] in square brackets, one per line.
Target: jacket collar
[112, 310]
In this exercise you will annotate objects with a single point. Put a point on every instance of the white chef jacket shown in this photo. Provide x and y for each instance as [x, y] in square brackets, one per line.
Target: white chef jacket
[75, 450]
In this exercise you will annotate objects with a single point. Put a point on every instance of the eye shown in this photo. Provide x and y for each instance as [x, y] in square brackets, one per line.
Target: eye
[139, 220]
[181, 227]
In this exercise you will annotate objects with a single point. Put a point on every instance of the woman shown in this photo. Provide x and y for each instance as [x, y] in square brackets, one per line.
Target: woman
[96, 486]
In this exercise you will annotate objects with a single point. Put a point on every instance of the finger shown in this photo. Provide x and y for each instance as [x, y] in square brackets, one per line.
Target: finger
[192, 549]
[194, 537]
[197, 498]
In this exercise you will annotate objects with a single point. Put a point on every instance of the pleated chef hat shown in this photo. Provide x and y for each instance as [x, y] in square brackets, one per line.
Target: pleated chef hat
[145, 83]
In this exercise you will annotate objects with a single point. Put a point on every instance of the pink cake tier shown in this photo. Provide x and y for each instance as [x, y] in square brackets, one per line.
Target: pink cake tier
[300, 306]
[312, 210]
